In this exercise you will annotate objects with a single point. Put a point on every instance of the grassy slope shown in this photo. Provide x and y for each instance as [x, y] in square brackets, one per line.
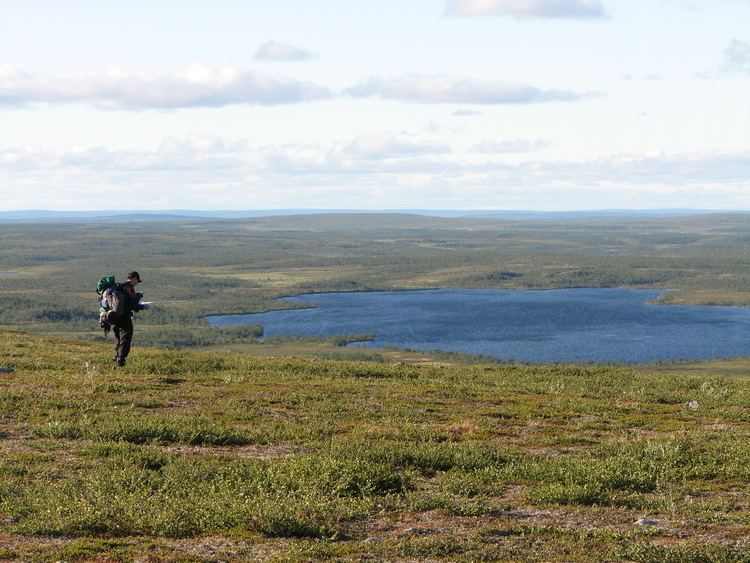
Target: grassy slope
[219, 456]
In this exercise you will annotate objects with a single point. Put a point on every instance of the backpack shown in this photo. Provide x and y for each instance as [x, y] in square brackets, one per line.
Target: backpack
[115, 300]
[111, 302]
[104, 283]
[111, 298]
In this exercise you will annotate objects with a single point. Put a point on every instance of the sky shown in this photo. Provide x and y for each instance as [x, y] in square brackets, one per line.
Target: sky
[353, 104]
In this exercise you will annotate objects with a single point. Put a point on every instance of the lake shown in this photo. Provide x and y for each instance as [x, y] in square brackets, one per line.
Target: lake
[567, 325]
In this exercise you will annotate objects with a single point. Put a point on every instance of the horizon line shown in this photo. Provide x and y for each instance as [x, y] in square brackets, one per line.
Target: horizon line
[382, 210]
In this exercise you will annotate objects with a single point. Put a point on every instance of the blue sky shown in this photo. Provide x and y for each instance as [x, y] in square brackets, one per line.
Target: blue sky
[430, 104]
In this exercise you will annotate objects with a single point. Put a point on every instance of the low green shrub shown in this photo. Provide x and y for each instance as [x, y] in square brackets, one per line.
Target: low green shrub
[690, 553]
[430, 457]
[134, 493]
[146, 429]
[127, 454]
[614, 475]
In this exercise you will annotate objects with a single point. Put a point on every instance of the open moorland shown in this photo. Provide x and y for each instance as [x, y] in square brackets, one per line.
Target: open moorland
[196, 267]
[235, 448]
[203, 456]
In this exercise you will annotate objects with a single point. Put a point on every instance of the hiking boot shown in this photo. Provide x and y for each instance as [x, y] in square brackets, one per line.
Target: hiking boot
[119, 362]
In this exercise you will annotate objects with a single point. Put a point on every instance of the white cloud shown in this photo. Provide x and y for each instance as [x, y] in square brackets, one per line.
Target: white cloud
[466, 113]
[511, 146]
[435, 89]
[197, 86]
[578, 9]
[737, 56]
[374, 170]
[386, 145]
[204, 86]
[277, 51]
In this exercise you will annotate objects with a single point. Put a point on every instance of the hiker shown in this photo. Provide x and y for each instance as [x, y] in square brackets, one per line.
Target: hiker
[122, 324]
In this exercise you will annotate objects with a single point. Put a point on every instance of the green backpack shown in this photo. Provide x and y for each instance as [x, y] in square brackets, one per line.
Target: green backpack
[109, 302]
[112, 301]
[104, 283]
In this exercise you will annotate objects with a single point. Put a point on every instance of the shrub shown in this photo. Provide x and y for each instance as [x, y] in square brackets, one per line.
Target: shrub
[307, 496]
[146, 429]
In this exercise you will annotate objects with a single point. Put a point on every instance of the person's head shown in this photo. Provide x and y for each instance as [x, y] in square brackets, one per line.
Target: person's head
[134, 278]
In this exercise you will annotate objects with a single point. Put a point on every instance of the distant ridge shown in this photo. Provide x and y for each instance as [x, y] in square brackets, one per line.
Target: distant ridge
[172, 215]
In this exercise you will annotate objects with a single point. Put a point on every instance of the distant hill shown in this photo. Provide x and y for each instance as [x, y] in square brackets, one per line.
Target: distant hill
[168, 215]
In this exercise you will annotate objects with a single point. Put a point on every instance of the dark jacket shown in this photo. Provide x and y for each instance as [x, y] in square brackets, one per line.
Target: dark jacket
[132, 299]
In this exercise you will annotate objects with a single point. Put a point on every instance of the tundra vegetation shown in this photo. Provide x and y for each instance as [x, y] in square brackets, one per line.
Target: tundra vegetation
[189, 455]
[219, 451]
[198, 267]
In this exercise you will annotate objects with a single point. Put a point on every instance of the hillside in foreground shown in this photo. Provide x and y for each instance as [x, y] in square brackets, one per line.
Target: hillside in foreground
[208, 456]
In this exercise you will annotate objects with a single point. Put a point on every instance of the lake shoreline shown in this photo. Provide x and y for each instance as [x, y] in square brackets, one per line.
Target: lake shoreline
[599, 325]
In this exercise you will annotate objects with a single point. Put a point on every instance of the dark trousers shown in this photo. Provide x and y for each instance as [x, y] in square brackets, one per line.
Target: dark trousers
[123, 330]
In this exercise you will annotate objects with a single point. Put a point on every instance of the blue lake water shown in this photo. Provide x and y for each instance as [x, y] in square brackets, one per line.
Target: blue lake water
[600, 325]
